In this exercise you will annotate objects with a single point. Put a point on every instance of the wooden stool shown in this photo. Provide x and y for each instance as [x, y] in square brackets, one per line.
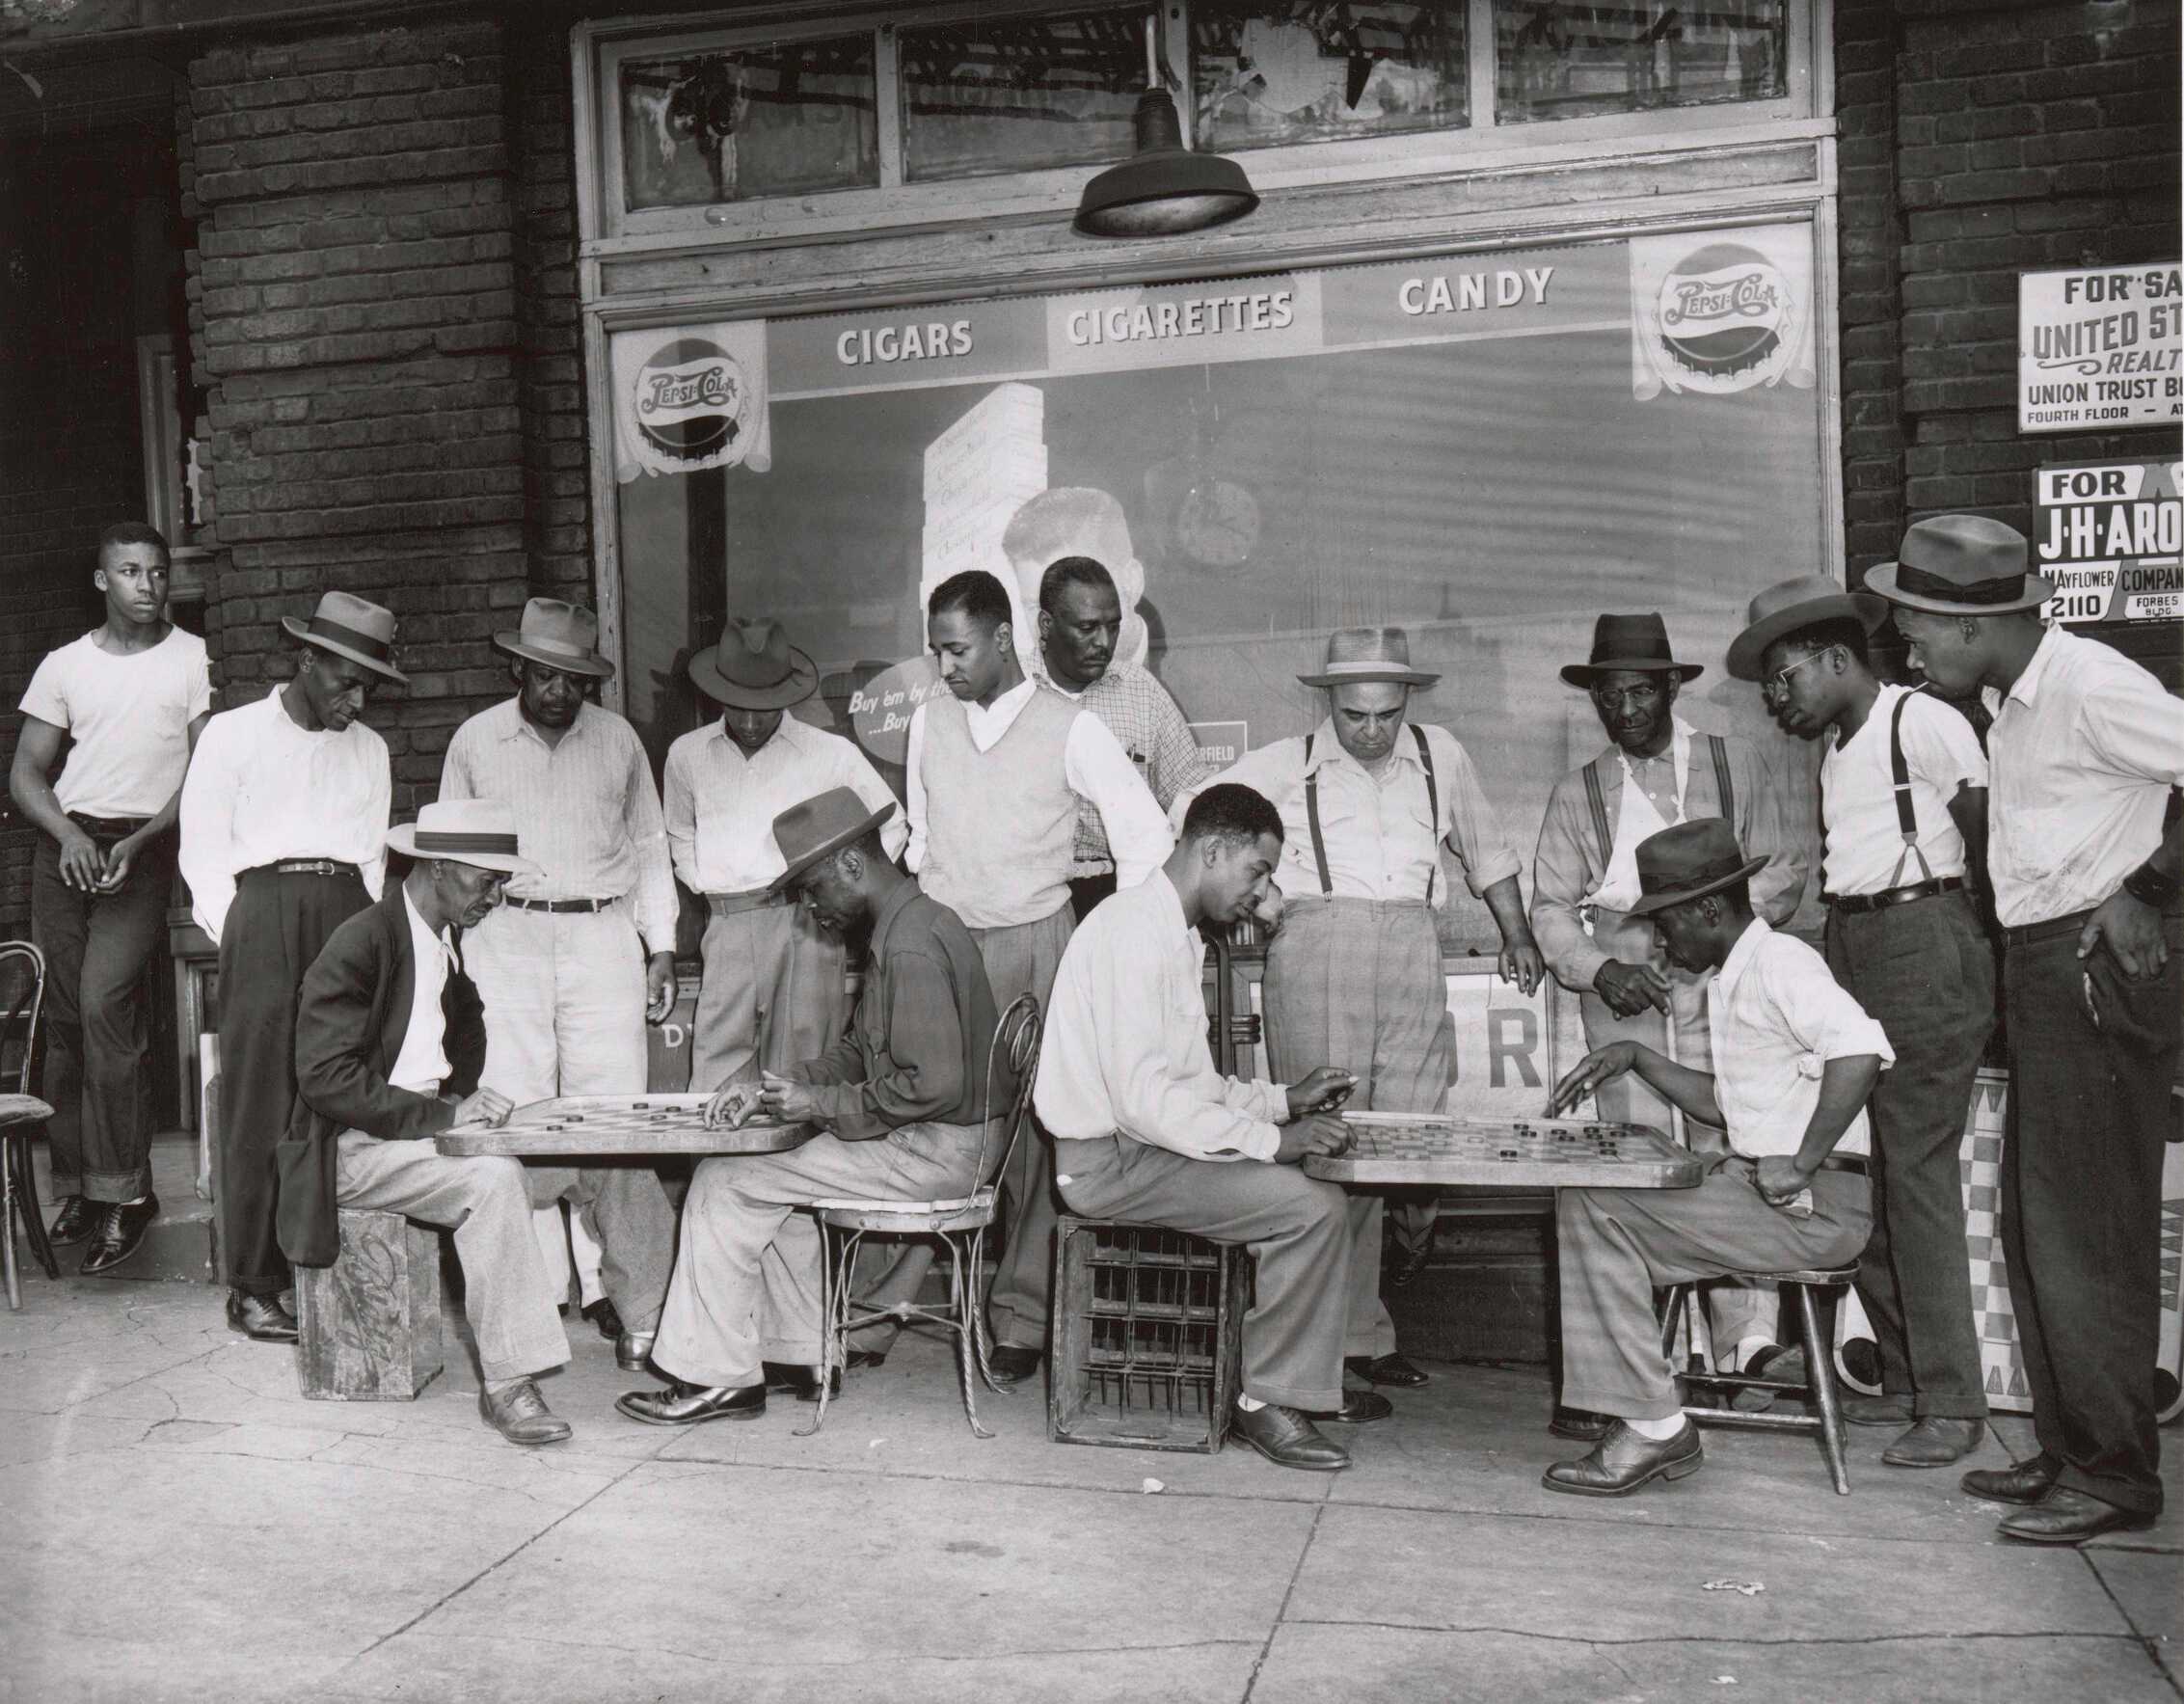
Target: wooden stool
[1820, 1368]
[369, 1323]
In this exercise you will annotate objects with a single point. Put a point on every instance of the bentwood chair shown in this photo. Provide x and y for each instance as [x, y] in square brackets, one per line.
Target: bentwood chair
[22, 995]
[961, 1223]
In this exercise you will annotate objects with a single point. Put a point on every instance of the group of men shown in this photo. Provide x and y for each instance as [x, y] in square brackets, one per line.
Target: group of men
[1060, 840]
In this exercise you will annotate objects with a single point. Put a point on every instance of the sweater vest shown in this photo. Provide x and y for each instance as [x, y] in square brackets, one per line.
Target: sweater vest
[1000, 825]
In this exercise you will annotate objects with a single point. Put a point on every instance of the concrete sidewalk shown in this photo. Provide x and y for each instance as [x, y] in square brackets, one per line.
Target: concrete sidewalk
[183, 1526]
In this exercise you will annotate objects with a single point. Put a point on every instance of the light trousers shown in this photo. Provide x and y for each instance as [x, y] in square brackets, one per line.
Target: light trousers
[773, 995]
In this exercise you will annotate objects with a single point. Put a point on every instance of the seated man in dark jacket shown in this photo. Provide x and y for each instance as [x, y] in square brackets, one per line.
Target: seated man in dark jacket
[390, 1038]
[900, 1105]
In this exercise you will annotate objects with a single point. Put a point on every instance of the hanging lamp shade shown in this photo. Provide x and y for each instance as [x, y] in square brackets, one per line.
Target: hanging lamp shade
[1164, 189]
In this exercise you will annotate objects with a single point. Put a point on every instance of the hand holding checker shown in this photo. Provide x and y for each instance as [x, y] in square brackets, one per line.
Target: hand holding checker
[1601, 1065]
[1323, 1089]
[782, 1102]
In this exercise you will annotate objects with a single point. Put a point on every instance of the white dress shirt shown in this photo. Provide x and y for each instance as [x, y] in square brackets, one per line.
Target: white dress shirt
[1777, 1017]
[1096, 766]
[1864, 840]
[586, 809]
[2083, 750]
[720, 804]
[421, 1065]
[262, 791]
[1125, 1042]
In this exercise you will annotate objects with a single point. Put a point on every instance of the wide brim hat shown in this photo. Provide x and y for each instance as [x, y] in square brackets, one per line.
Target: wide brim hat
[480, 831]
[1962, 565]
[1793, 604]
[351, 626]
[559, 635]
[1356, 655]
[754, 668]
[1638, 642]
[1687, 862]
[821, 827]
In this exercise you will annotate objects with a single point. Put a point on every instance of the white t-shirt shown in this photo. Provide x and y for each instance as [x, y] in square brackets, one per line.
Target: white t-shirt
[1858, 795]
[129, 716]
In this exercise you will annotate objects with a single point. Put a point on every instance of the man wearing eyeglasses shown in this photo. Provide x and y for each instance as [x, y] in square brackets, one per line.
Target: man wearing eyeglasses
[1657, 771]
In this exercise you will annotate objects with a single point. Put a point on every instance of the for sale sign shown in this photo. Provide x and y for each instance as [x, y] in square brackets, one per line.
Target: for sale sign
[2099, 347]
[2109, 536]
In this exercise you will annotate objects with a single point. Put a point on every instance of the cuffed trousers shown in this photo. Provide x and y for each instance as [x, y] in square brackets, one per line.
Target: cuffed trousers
[1615, 1246]
[486, 1200]
[773, 995]
[1297, 1228]
[747, 1281]
[97, 946]
[1926, 973]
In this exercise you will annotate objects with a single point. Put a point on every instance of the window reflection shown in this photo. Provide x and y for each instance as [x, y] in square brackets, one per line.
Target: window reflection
[1266, 72]
[1558, 60]
[700, 128]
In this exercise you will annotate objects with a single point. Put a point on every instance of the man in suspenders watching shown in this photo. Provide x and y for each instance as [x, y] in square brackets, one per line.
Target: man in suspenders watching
[1903, 800]
[1354, 975]
[1657, 771]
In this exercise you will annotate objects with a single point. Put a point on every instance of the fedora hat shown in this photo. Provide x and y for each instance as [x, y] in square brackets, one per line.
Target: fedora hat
[561, 636]
[809, 831]
[353, 627]
[1793, 604]
[1356, 654]
[1631, 641]
[1962, 565]
[481, 831]
[1689, 862]
[754, 666]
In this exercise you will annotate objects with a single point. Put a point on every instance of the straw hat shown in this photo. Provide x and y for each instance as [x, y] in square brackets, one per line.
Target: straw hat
[1356, 654]
[481, 831]
[561, 636]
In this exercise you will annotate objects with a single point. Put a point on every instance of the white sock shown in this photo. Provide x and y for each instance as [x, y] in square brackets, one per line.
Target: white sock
[1658, 1430]
[1746, 1348]
[1248, 1405]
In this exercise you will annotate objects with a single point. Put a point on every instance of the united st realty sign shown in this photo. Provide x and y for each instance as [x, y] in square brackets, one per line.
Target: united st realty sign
[2099, 347]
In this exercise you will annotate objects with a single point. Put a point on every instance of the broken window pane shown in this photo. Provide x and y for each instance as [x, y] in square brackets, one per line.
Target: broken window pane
[1266, 72]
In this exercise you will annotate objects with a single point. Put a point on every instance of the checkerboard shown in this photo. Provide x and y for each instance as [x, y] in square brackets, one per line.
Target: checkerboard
[2002, 1359]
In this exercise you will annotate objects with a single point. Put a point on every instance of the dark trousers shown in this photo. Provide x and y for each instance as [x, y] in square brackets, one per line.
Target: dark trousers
[1087, 891]
[274, 930]
[2092, 1060]
[1925, 972]
[97, 946]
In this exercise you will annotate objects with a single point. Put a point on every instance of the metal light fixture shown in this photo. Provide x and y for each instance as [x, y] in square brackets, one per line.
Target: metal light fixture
[1164, 189]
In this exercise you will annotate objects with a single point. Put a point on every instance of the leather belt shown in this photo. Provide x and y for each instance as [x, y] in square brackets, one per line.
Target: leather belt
[309, 867]
[559, 907]
[2024, 934]
[759, 899]
[1894, 896]
[117, 827]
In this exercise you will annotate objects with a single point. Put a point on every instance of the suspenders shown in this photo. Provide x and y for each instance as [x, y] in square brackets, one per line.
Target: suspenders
[1432, 810]
[1906, 819]
[1597, 797]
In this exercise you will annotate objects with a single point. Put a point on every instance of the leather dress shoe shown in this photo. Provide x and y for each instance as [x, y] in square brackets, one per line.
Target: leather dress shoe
[605, 1320]
[75, 1222]
[1581, 1423]
[861, 1359]
[2071, 1517]
[1359, 1408]
[1888, 1409]
[1623, 1461]
[1013, 1362]
[520, 1415]
[799, 1382]
[685, 1405]
[1393, 1371]
[1288, 1439]
[632, 1350]
[260, 1318]
[1774, 1361]
[2027, 1483]
[120, 1234]
[1936, 1440]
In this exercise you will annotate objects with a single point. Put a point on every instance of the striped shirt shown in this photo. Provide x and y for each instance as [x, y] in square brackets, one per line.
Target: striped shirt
[1153, 735]
[586, 810]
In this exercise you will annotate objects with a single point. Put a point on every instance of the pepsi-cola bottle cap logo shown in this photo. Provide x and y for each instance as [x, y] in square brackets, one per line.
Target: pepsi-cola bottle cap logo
[1724, 311]
[691, 399]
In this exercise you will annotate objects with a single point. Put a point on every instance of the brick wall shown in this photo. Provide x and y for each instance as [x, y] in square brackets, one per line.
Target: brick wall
[355, 321]
[1981, 140]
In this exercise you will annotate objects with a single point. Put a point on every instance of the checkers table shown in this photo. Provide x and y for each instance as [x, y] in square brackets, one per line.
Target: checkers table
[1560, 1154]
[600, 1125]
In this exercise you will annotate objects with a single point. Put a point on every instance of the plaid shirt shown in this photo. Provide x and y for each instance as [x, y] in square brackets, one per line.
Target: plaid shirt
[1147, 725]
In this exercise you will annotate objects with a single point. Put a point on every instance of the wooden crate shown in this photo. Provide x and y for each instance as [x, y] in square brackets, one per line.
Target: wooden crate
[370, 1322]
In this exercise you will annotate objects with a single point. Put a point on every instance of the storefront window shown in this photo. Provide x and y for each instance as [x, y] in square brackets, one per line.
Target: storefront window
[1486, 449]
[1558, 60]
[700, 128]
[1019, 95]
[1266, 72]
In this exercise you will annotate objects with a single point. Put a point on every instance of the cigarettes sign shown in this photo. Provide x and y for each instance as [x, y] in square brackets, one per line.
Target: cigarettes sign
[2099, 347]
[2108, 535]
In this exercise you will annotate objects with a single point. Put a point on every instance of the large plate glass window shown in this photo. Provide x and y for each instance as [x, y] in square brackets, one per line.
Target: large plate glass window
[1266, 72]
[1559, 60]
